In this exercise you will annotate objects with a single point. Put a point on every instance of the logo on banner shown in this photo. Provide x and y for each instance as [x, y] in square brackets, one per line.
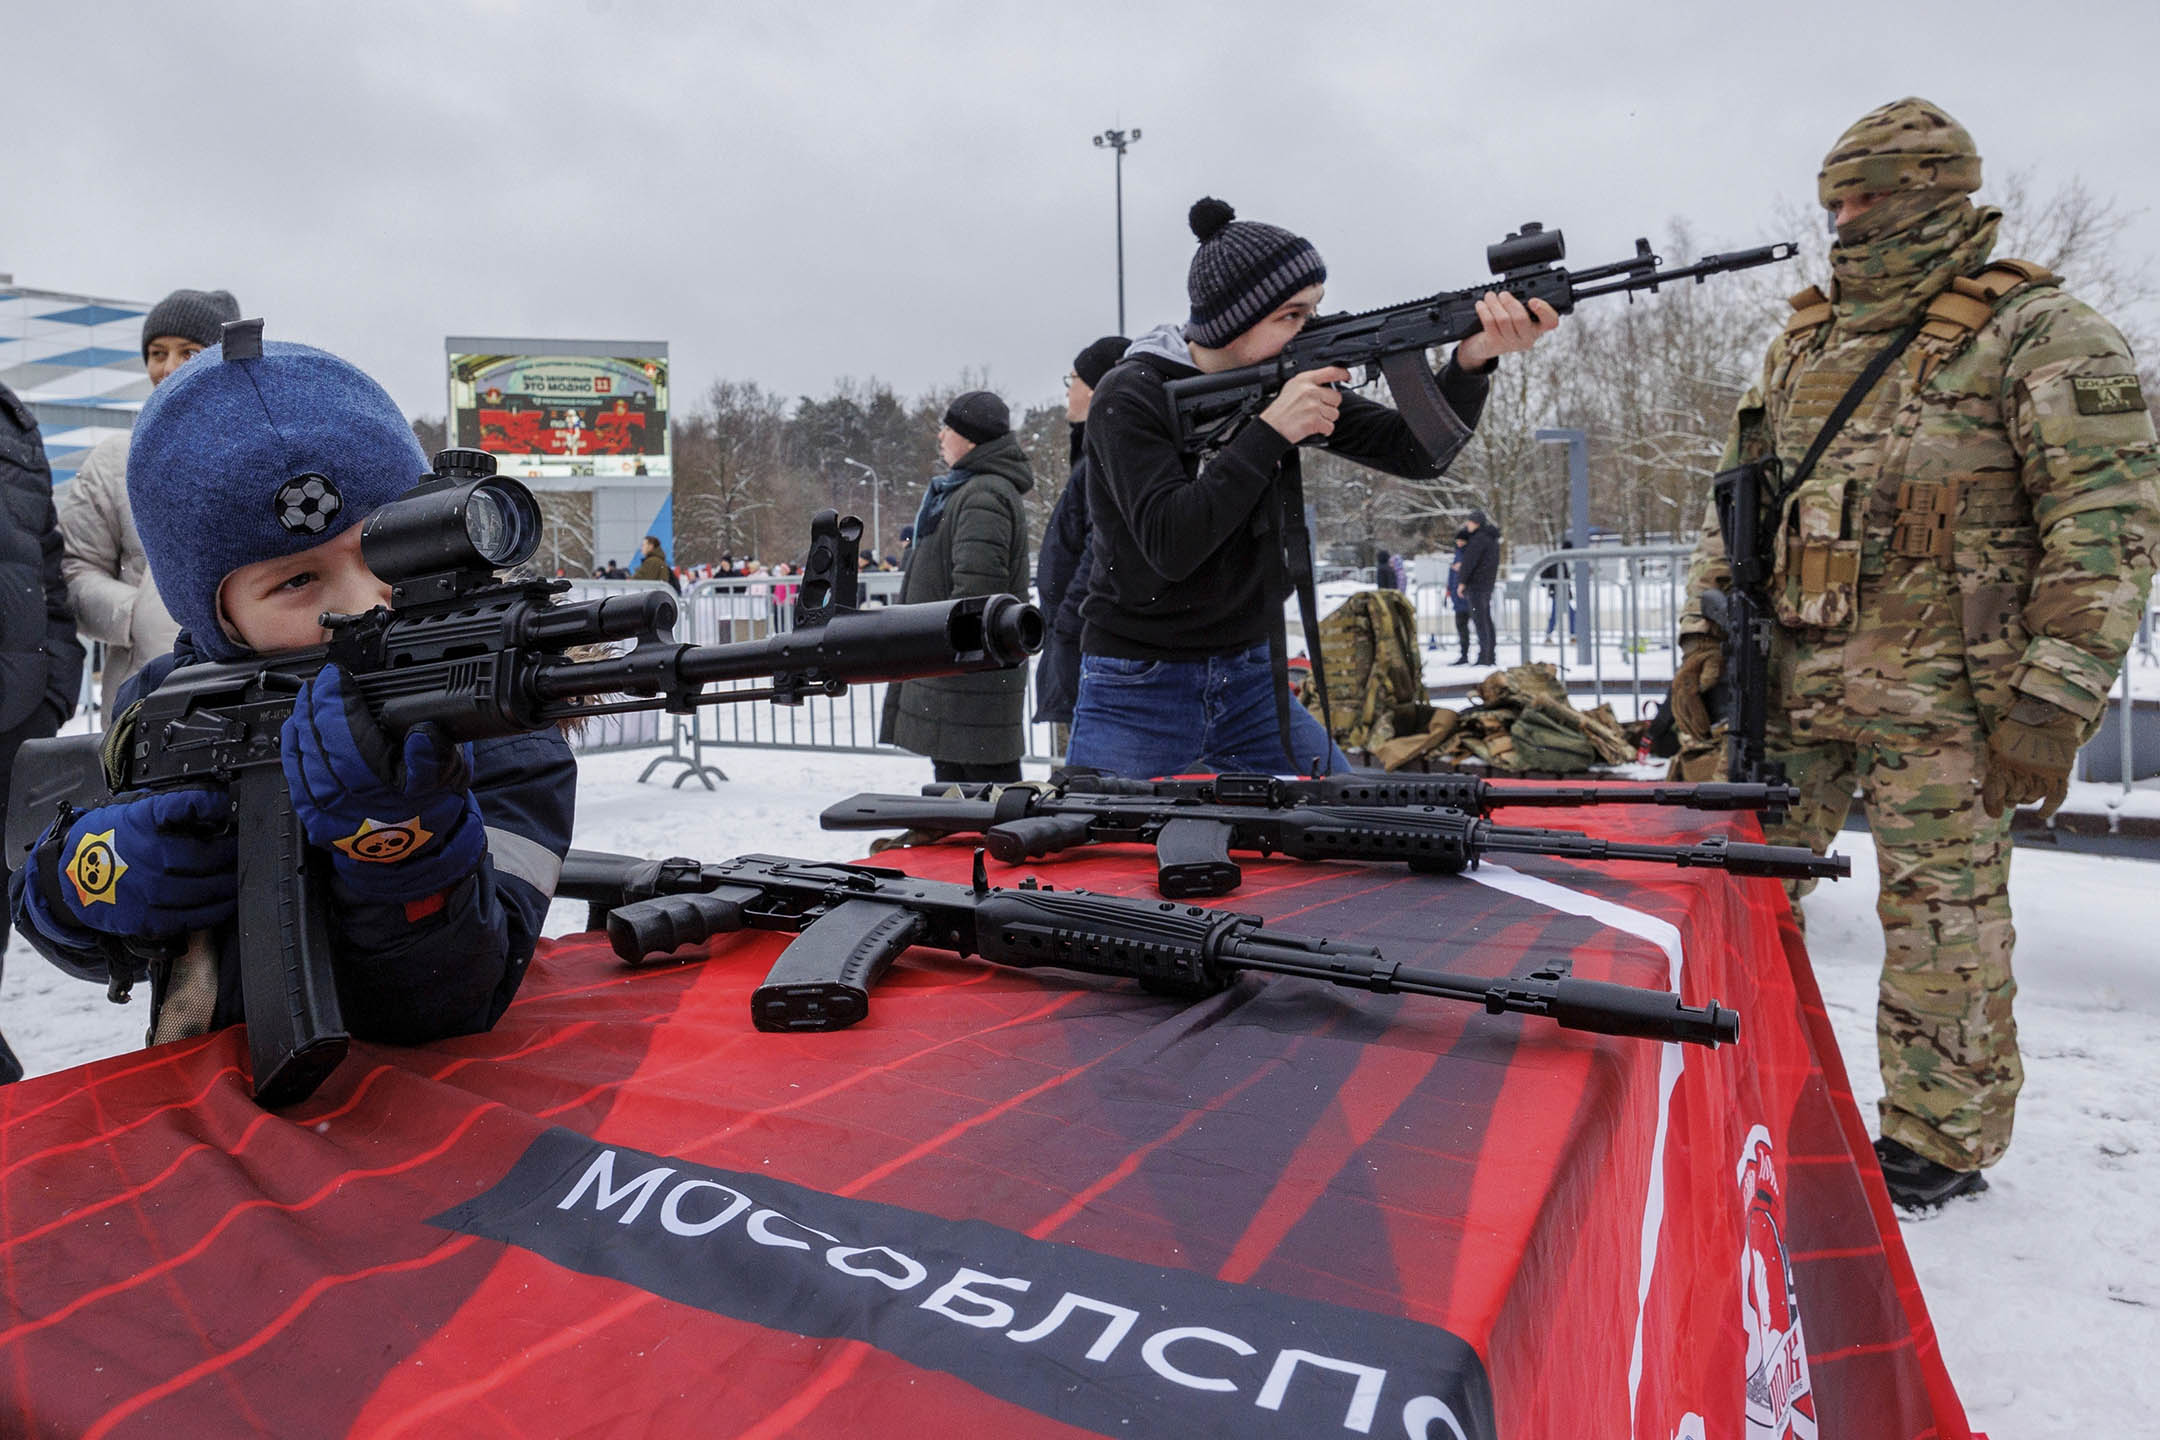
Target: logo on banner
[1780, 1395]
[1094, 1341]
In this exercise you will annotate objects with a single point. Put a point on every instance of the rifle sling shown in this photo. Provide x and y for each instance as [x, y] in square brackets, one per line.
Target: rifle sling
[1292, 550]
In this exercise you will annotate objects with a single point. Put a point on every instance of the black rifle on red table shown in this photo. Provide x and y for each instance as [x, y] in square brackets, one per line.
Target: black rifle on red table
[1193, 841]
[1469, 793]
[852, 921]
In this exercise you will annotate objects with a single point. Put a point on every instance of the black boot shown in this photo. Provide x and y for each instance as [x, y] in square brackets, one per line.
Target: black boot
[1918, 1183]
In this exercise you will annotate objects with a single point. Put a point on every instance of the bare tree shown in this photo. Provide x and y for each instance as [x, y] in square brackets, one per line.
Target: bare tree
[432, 434]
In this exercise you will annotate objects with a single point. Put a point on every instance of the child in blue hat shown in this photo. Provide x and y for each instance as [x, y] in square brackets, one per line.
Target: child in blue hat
[248, 478]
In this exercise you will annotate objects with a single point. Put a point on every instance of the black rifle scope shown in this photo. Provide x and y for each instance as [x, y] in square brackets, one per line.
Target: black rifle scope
[1524, 249]
[461, 518]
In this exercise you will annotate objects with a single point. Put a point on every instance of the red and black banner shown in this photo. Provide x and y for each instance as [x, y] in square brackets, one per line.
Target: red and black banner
[1010, 1203]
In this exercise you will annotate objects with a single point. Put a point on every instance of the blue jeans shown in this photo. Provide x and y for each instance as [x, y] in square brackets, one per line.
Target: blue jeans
[1143, 718]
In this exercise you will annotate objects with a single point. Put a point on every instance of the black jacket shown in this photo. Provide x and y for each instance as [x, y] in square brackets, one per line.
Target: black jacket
[40, 659]
[1481, 560]
[1062, 572]
[1180, 566]
[978, 546]
[401, 980]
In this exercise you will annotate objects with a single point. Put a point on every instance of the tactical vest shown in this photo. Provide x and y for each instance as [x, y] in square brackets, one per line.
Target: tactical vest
[1823, 528]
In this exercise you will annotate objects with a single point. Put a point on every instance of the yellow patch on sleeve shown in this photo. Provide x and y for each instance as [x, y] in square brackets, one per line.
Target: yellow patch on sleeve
[95, 869]
[381, 842]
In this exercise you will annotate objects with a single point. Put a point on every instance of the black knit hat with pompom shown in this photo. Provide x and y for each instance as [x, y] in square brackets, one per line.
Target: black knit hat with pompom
[1241, 272]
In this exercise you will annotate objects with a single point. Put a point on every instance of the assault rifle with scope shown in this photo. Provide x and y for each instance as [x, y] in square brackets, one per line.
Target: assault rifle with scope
[1193, 841]
[1393, 341]
[477, 656]
[852, 921]
[1454, 791]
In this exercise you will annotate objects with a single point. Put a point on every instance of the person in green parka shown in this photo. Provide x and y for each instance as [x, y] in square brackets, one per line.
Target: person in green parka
[970, 539]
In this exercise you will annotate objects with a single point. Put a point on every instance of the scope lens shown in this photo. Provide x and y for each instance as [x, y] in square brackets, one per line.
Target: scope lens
[497, 526]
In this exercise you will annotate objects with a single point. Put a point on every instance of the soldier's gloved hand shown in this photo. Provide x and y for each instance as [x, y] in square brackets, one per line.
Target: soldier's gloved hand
[1702, 665]
[400, 822]
[2029, 756]
[150, 867]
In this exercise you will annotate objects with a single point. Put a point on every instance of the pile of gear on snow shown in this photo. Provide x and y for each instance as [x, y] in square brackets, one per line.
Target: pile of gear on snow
[1521, 724]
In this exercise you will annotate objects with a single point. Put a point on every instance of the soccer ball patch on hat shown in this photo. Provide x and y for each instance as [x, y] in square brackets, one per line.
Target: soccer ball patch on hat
[306, 504]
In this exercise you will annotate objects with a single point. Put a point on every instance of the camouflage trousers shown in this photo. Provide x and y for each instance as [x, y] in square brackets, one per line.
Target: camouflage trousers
[1944, 1034]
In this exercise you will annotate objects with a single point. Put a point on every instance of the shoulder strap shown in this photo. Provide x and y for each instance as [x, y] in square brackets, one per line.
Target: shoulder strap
[1957, 314]
[1845, 407]
[1811, 309]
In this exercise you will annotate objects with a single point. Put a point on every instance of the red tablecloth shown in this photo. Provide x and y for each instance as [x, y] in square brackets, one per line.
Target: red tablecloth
[1010, 1203]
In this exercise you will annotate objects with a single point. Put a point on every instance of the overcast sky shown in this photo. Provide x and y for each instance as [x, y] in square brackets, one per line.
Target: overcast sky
[791, 194]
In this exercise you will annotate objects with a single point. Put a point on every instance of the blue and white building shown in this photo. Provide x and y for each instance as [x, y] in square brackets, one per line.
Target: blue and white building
[77, 360]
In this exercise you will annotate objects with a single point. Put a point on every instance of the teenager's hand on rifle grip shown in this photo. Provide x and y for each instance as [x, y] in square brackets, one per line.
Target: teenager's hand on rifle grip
[1307, 405]
[398, 817]
[1509, 329]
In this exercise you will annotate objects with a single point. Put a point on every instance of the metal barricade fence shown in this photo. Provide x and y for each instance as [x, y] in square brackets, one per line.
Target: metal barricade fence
[730, 611]
[1611, 609]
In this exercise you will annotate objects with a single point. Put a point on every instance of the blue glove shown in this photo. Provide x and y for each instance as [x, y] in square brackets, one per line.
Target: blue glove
[147, 868]
[400, 823]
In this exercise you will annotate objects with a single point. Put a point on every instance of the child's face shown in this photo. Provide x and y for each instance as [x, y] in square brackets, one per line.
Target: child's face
[273, 605]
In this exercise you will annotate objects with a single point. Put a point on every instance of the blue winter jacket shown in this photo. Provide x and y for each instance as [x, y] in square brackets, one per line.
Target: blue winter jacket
[405, 973]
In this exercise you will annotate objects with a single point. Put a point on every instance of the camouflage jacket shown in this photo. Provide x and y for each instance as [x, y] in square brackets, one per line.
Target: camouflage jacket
[1991, 512]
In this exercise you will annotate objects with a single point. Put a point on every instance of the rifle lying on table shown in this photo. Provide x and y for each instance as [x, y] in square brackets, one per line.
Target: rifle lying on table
[851, 921]
[1193, 841]
[478, 657]
[1454, 791]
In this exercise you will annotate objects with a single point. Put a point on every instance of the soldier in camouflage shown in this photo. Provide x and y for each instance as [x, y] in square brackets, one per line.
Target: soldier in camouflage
[1956, 584]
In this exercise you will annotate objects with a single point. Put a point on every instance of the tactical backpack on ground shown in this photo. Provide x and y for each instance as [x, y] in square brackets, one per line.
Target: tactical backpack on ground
[1369, 649]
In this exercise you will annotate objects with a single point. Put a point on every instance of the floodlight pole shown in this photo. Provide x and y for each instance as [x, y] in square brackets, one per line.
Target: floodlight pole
[876, 545]
[1117, 140]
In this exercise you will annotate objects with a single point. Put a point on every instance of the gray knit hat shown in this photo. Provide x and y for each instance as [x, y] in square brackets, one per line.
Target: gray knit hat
[197, 315]
[1241, 272]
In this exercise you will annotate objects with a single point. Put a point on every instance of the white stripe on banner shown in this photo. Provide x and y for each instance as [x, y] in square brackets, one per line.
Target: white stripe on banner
[1666, 937]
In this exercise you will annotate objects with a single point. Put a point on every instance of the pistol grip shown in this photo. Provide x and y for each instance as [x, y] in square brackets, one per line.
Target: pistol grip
[1192, 860]
[822, 980]
[1034, 836]
[667, 923]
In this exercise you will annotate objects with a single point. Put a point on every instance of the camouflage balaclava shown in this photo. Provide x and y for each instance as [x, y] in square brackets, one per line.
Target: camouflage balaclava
[1924, 232]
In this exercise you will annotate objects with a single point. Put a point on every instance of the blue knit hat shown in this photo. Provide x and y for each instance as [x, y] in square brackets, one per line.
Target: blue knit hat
[236, 461]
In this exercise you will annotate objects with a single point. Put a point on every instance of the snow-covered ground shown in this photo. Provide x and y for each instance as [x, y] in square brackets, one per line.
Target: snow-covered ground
[2046, 1290]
